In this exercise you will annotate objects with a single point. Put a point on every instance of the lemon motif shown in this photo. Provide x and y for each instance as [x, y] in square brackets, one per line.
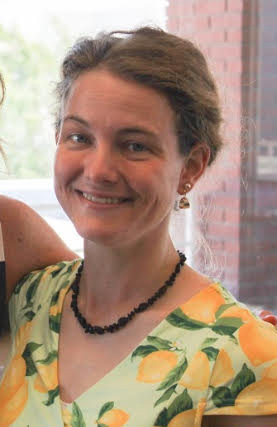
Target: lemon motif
[240, 312]
[155, 366]
[13, 379]
[48, 271]
[197, 373]
[203, 306]
[270, 372]
[114, 418]
[259, 342]
[184, 419]
[67, 416]
[225, 410]
[57, 308]
[11, 409]
[257, 398]
[223, 370]
[46, 378]
[22, 337]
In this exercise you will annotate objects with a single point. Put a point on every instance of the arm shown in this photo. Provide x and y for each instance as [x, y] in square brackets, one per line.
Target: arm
[29, 242]
[239, 421]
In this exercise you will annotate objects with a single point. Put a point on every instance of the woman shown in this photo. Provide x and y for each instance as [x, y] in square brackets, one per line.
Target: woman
[138, 123]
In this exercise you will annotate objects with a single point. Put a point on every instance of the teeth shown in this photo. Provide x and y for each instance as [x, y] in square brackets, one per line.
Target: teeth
[104, 200]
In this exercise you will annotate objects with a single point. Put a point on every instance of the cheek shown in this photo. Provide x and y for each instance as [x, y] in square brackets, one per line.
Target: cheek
[64, 167]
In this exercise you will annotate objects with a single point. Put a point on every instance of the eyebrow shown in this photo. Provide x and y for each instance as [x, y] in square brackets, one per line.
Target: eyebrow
[77, 119]
[135, 129]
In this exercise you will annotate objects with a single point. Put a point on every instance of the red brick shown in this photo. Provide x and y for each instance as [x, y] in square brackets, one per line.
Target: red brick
[234, 36]
[235, 5]
[211, 7]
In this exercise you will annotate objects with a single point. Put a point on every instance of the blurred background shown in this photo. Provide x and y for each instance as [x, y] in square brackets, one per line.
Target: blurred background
[235, 205]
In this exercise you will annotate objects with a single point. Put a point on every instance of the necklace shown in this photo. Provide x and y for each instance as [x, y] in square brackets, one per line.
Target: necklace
[122, 321]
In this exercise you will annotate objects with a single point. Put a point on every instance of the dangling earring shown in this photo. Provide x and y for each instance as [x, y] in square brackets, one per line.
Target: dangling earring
[182, 201]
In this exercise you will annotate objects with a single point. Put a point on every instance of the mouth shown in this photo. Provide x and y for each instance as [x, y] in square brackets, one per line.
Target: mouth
[104, 200]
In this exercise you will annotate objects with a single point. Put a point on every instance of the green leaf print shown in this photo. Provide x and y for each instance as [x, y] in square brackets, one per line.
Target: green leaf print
[105, 408]
[55, 298]
[27, 356]
[55, 322]
[181, 403]
[243, 379]
[167, 395]
[21, 282]
[223, 308]
[174, 375]
[77, 416]
[60, 266]
[162, 418]
[160, 343]
[143, 351]
[32, 289]
[207, 342]
[30, 366]
[30, 315]
[52, 394]
[31, 347]
[233, 339]
[49, 359]
[211, 352]
[102, 425]
[180, 320]
[222, 396]
[227, 325]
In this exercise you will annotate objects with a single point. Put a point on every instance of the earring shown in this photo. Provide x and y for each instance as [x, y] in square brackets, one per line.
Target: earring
[182, 202]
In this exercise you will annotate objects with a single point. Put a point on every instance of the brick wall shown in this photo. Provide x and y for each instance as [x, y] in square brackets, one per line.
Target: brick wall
[228, 32]
[216, 26]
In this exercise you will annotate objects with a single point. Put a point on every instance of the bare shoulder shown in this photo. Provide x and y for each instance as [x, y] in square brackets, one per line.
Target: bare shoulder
[29, 242]
[188, 285]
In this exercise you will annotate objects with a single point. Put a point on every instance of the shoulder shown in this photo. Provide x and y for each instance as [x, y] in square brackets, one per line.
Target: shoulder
[29, 242]
[41, 288]
[244, 370]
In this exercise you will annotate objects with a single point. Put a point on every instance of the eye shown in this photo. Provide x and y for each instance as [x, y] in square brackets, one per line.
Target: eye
[137, 147]
[78, 138]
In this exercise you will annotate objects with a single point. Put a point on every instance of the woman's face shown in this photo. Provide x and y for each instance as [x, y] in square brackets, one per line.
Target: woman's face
[117, 167]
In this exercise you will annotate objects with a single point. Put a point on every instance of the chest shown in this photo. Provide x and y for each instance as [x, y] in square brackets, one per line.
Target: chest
[85, 359]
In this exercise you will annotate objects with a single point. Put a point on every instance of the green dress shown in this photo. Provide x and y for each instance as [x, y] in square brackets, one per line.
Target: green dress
[209, 356]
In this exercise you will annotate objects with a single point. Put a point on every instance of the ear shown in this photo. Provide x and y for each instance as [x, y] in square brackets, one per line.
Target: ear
[195, 164]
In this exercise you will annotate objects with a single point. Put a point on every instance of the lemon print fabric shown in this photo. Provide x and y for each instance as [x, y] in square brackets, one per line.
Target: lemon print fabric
[210, 356]
[155, 367]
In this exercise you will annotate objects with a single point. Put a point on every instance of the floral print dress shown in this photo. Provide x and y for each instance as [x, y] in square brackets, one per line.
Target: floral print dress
[209, 356]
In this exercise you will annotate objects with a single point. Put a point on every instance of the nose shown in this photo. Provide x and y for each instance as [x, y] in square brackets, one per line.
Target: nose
[101, 164]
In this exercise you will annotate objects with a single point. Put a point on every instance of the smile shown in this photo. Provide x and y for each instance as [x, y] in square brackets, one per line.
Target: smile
[104, 200]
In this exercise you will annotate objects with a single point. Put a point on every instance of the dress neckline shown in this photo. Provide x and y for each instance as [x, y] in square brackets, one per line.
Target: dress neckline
[162, 325]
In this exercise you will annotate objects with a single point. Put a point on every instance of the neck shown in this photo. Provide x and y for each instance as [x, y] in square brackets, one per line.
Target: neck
[115, 280]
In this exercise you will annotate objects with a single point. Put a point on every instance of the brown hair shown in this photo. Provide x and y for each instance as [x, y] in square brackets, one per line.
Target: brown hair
[173, 66]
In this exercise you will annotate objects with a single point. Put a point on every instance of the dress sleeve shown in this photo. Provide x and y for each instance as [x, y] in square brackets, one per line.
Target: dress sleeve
[244, 376]
[22, 301]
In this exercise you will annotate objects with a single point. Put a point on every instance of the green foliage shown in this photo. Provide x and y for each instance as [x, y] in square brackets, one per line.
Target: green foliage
[29, 69]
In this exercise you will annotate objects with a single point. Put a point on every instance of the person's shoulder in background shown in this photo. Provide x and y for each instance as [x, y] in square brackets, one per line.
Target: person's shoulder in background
[29, 242]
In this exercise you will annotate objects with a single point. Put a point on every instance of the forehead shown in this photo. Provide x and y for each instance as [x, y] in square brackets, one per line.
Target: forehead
[100, 92]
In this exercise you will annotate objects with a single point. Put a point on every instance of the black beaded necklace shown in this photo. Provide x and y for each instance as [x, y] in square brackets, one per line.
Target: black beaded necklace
[123, 320]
